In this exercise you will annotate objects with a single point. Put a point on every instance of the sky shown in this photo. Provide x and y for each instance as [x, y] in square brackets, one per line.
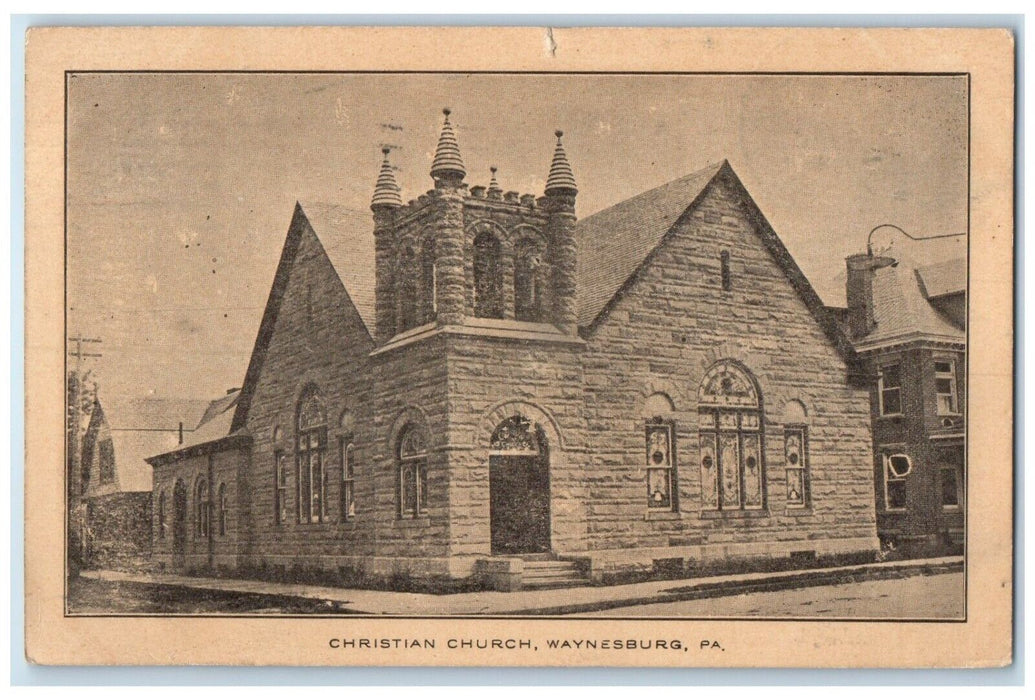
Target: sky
[181, 186]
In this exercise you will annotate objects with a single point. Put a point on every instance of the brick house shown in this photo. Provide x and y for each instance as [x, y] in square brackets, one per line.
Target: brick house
[485, 386]
[908, 323]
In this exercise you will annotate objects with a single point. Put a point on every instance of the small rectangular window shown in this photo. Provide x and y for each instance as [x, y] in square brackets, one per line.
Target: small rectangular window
[945, 386]
[796, 460]
[727, 281]
[889, 387]
[950, 489]
[896, 468]
[660, 466]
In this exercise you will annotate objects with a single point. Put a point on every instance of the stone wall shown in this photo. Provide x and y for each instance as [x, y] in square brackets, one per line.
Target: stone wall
[668, 328]
[117, 527]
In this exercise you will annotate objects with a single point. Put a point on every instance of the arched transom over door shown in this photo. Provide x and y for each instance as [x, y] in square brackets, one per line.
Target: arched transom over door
[732, 467]
[519, 488]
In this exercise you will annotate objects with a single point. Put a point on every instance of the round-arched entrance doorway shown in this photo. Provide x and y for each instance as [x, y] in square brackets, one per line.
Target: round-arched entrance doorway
[519, 488]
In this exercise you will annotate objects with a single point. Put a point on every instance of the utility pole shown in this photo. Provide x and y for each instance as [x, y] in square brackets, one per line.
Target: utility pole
[76, 519]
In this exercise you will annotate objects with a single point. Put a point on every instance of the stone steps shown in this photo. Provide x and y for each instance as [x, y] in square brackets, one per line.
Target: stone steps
[552, 574]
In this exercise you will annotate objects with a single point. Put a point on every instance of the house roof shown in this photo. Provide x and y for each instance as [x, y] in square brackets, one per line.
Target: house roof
[145, 426]
[220, 405]
[347, 237]
[152, 412]
[944, 278]
[613, 243]
[901, 309]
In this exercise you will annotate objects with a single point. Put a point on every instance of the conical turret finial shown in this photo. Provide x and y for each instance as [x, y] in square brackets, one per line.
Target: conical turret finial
[494, 186]
[561, 179]
[386, 191]
[447, 164]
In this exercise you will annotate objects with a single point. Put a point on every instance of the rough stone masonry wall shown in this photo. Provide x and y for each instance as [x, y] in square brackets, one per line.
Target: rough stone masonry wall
[491, 379]
[665, 332]
[318, 339]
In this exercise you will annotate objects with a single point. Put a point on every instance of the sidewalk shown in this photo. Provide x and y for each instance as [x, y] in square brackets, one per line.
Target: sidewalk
[560, 601]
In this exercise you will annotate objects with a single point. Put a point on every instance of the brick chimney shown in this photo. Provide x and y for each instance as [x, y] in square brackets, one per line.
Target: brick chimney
[859, 291]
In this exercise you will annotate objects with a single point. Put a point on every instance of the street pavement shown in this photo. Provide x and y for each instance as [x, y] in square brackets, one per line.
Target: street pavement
[940, 597]
[636, 597]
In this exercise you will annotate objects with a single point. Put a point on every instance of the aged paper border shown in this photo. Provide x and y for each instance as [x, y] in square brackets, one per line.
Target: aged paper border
[987, 55]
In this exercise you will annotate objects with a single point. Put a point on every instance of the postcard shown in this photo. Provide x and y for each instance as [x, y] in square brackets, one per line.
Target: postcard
[519, 346]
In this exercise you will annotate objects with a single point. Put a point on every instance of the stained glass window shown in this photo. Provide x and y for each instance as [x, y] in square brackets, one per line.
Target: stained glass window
[731, 440]
[413, 471]
[660, 465]
[796, 464]
[515, 436]
[310, 474]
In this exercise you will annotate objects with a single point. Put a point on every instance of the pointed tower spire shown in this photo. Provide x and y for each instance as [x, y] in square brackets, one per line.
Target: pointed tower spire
[386, 191]
[447, 164]
[494, 187]
[561, 179]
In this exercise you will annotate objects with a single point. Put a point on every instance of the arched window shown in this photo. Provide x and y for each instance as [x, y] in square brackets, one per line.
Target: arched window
[488, 297]
[161, 515]
[429, 291]
[413, 471]
[201, 508]
[660, 453]
[528, 283]
[796, 454]
[310, 446]
[731, 440]
[348, 477]
[407, 275]
[222, 505]
[727, 278]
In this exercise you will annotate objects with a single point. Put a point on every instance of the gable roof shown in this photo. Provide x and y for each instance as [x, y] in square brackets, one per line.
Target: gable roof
[141, 427]
[901, 309]
[152, 412]
[613, 243]
[347, 237]
[351, 254]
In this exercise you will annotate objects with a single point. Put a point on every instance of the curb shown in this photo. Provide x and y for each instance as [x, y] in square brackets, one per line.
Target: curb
[723, 589]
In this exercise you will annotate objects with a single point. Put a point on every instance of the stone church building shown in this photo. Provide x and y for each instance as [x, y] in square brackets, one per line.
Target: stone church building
[476, 383]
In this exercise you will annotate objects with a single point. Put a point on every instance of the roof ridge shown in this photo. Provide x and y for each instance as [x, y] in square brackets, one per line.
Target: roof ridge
[646, 194]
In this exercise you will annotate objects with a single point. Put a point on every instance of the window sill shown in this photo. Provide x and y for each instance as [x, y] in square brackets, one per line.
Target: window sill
[893, 416]
[406, 523]
[951, 509]
[662, 515]
[733, 514]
